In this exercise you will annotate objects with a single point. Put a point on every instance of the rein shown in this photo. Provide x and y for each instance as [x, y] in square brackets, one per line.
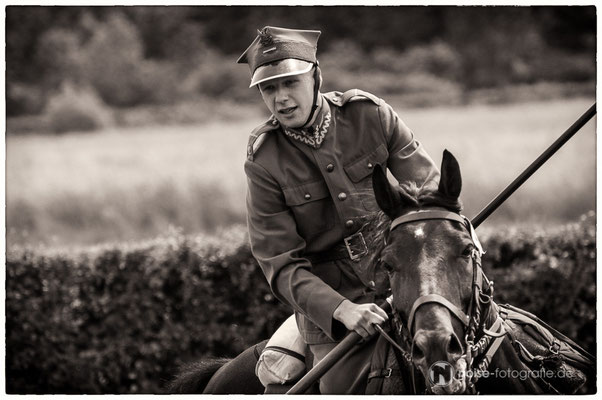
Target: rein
[480, 302]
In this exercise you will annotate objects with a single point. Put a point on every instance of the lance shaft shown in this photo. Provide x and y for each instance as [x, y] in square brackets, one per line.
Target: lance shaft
[530, 170]
[331, 358]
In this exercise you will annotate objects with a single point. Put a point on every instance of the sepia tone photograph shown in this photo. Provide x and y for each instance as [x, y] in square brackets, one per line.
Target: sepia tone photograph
[380, 200]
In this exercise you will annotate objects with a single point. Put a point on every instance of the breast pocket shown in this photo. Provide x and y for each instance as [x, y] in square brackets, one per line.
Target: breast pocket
[312, 207]
[360, 173]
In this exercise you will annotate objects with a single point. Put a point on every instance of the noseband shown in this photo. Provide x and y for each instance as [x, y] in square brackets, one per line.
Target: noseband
[480, 302]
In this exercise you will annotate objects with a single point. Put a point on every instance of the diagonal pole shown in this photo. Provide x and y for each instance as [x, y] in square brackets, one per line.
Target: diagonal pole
[353, 338]
[530, 170]
[331, 358]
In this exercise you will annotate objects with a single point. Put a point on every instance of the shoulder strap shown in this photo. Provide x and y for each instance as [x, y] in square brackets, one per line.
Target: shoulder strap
[340, 99]
[258, 136]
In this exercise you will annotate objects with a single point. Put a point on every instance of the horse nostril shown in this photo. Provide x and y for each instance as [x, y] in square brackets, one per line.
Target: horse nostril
[417, 353]
[454, 346]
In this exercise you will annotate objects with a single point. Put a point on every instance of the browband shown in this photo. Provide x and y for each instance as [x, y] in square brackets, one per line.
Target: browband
[427, 214]
[438, 214]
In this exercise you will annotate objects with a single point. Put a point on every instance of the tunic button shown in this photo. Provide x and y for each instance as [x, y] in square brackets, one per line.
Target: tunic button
[342, 196]
[349, 224]
[370, 165]
[330, 168]
[307, 196]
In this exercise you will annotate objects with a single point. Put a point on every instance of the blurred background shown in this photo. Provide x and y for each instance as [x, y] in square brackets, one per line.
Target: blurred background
[126, 138]
[123, 121]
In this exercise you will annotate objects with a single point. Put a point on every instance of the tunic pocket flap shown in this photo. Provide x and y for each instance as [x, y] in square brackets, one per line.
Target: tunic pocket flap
[361, 168]
[306, 193]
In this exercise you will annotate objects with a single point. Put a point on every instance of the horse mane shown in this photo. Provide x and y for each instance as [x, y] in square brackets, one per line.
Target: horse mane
[419, 197]
[376, 226]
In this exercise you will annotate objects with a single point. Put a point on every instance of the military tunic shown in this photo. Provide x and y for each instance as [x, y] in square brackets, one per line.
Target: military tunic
[303, 200]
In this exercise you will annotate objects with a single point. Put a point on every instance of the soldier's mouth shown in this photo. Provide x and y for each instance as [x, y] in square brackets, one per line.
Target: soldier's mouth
[287, 111]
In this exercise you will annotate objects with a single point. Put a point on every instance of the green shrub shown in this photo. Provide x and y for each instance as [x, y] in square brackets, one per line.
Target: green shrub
[22, 99]
[76, 109]
[437, 58]
[114, 64]
[120, 319]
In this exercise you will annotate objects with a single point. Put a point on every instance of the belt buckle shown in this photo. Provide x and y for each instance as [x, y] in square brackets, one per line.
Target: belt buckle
[348, 243]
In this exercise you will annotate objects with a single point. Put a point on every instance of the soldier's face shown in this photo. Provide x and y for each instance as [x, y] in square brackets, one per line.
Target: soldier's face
[289, 98]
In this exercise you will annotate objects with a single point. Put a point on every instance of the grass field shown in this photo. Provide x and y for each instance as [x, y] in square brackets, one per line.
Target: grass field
[136, 183]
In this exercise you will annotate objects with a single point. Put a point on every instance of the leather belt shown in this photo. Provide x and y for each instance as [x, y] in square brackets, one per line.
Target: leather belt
[354, 247]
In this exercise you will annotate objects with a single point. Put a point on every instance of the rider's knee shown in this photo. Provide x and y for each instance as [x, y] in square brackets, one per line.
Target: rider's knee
[282, 361]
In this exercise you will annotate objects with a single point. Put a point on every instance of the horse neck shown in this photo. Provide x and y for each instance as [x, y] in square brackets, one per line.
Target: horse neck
[375, 231]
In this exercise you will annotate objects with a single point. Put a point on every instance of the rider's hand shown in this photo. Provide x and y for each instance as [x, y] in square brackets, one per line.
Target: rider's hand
[360, 317]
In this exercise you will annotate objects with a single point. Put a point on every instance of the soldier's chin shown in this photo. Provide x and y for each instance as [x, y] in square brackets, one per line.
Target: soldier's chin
[290, 124]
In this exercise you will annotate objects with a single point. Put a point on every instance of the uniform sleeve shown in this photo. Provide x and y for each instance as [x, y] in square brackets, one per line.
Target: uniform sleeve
[408, 160]
[279, 250]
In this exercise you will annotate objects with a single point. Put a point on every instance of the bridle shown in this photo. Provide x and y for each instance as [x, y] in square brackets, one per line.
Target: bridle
[481, 303]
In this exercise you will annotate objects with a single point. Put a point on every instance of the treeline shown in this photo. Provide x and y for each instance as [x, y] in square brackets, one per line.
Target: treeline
[61, 57]
[121, 319]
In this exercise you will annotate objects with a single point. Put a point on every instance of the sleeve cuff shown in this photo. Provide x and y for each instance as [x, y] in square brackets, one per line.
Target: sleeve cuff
[320, 309]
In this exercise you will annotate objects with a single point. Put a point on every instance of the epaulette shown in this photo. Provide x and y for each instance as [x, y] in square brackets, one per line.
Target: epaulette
[340, 99]
[258, 136]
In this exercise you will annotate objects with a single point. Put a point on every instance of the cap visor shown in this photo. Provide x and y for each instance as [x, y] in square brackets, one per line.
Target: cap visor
[287, 67]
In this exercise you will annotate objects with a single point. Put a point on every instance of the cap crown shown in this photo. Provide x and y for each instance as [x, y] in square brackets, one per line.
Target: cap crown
[274, 44]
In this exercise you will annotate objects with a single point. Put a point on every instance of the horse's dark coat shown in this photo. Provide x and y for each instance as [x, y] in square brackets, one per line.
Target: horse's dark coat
[238, 375]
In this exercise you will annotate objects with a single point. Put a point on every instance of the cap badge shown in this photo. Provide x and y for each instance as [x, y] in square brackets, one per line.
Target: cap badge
[265, 38]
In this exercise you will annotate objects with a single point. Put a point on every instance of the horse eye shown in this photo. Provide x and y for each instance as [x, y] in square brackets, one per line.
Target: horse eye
[467, 251]
[386, 266]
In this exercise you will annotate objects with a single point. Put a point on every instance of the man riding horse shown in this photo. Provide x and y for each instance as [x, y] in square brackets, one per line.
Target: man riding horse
[309, 171]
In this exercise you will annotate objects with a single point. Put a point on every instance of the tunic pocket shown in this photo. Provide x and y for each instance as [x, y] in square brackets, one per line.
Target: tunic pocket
[360, 173]
[362, 167]
[312, 207]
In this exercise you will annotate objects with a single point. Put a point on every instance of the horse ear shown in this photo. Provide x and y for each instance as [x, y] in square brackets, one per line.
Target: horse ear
[450, 183]
[386, 197]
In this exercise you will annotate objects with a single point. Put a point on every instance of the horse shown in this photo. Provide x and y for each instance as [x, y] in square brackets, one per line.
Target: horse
[433, 259]
[445, 323]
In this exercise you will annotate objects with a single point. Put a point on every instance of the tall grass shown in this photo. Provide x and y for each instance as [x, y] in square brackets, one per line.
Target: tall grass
[134, 183]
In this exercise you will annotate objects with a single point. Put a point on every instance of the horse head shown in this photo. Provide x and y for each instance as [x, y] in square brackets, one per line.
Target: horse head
[431, 256]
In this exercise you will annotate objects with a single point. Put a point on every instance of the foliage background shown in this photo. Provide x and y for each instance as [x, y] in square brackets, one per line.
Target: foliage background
[126, 133]
[136, 56]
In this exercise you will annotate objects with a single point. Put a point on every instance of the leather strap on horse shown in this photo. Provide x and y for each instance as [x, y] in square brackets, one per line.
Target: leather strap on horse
[435, 298]
[426, 215]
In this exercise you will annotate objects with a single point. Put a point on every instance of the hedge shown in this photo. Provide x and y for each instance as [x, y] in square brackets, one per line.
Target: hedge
[121, 318]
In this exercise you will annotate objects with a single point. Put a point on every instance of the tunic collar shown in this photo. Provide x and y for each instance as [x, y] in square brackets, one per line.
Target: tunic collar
[314, 134]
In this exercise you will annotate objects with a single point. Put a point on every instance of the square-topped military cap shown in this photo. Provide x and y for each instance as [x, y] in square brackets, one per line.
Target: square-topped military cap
[278, 52]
